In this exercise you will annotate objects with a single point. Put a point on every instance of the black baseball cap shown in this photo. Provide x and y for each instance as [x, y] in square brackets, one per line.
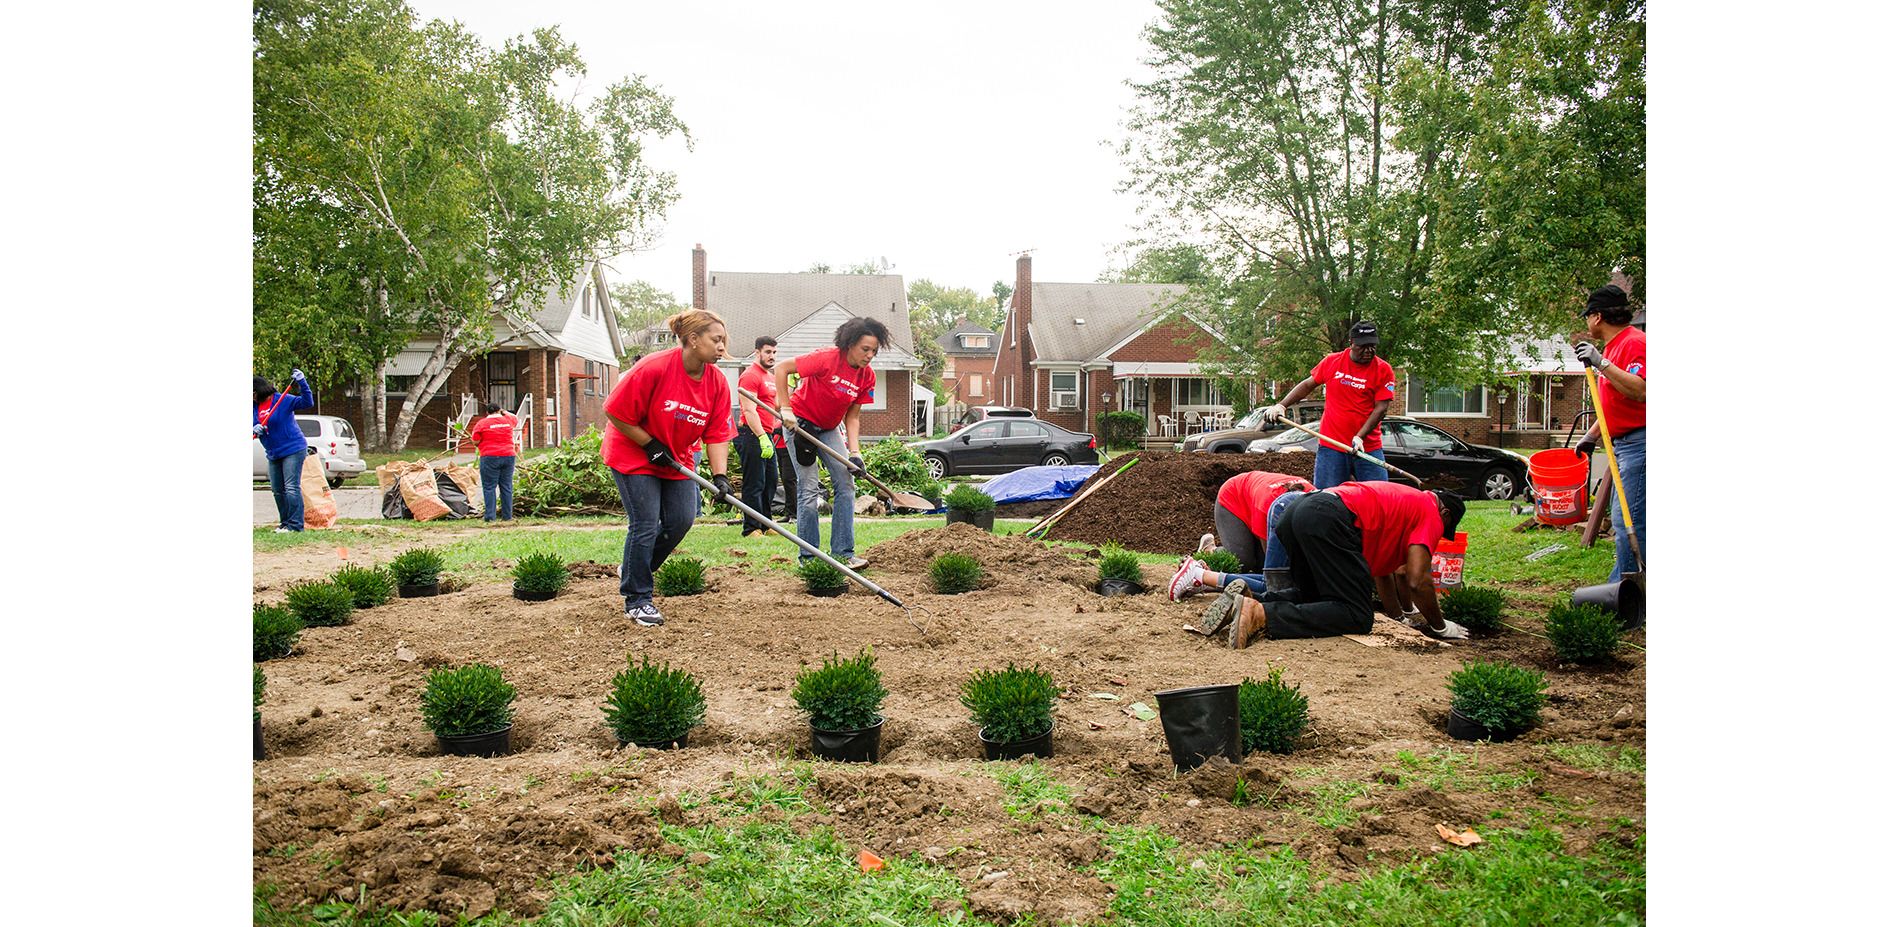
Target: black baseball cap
[1454, 510]
[1605, 297]
[1363, 333]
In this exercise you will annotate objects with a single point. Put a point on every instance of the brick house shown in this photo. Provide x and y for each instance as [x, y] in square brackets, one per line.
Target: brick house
[969, 364]
[803, 311]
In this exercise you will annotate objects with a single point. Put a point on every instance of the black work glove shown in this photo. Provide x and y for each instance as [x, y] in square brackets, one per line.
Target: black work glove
[856, 466]
[657, 452]
[1585, 447]
[722, 486]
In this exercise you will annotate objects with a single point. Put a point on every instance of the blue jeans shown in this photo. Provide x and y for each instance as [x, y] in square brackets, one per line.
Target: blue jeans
[1631, 455]
[1332, 467]
[498, 471]
[659, 513]
[286, 473]
[1273, 554]
[810, 493]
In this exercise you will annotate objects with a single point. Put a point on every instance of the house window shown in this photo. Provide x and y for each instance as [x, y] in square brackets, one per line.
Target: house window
[877, 394]
[396, 385]
[1424, 399]
[1062, 389]
[1198, 391]
[974, 341]
[976, 384]
[587, 302]
[587, 367]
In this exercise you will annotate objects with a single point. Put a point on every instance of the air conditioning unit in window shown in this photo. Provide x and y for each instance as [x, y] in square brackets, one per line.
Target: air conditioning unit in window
[1065, 400]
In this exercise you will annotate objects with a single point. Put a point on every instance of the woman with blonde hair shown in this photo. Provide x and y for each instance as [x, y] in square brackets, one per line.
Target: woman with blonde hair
[670, 401]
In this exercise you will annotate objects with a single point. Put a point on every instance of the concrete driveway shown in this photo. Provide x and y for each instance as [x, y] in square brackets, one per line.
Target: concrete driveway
[351, 502]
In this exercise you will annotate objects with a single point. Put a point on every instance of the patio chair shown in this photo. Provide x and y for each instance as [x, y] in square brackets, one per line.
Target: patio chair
[1167, 425]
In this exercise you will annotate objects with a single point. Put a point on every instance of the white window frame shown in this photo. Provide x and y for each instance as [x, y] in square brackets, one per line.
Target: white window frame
[976, 385]
[1070, 398]
[878, 399]
[1415, 400]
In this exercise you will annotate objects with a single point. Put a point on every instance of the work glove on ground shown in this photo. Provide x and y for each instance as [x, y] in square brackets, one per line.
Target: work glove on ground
[1585, 447]
[722, 486]
[657, 452]
[1590, 356]
[1275, 412]
[856, 466]
[765, 447]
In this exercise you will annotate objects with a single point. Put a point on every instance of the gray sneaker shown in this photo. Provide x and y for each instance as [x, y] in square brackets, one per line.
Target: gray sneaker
[1223, 609]
[645, 615]
[1207, 544]
[857, 563]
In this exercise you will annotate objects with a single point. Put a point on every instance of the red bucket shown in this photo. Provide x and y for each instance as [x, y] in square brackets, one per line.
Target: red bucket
[1560, 485]
[1448, 563]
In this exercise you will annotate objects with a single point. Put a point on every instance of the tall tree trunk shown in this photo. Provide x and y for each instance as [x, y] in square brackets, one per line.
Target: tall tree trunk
[369, 394]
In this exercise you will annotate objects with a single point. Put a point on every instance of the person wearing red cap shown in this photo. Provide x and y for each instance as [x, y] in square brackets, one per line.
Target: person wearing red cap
[1623, 366]
[1359, 388]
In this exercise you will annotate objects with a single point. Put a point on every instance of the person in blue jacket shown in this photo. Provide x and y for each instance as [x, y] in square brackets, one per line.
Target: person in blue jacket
[274, 422]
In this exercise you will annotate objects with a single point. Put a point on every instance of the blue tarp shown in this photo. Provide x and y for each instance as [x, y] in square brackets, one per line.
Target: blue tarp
[1032, 483]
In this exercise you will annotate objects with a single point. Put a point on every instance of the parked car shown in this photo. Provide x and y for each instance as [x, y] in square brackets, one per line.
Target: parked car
[1003, 444]
[978, 413]
[1251, 427]
[1477, 470]
[333, 441]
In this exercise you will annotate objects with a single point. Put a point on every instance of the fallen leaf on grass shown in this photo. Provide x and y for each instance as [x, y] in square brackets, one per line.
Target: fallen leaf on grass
[1097, 726]
[343, 553]
[1465, 839]
[1139, 712]
[869, 861]
[1118, 680]
[1572, 770]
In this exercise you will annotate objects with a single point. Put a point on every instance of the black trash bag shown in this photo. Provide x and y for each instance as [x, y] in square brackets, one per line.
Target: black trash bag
[393, 506]
[452, 496]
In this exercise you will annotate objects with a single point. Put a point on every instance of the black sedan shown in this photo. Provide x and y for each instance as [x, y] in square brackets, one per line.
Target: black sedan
[1001, 445]
[1477, 471]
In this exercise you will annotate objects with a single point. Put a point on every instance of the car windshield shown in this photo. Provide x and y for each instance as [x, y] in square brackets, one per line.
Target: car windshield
[1289, 436]
[1253, 420]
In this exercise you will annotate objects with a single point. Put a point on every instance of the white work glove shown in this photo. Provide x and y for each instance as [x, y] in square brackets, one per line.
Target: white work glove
[257, 431]
[1276, 412]
[1358, 444]
[296, 374]
[1590, 356]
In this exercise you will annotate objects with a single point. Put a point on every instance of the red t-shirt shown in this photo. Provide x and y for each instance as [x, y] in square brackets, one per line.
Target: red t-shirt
[1629, 350]
[1248, 495]
[658, 396]
[1391, 518]
[495, 435]
[1351, 390]
[827, 386]
[765, 386]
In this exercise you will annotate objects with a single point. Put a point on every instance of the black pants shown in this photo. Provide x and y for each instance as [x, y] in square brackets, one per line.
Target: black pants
[790, 479]
[1330, 574]
[758, 476]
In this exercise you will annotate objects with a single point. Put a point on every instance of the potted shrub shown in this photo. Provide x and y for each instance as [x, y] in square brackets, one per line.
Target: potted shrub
[369, 586]
[539, 576]
[469, 709]
[1272, 714]
[654, 706]
[1497, 701]
[1479, 608]
[417, 571]
[821, 578]
[1582, 633]
[970, 505]
[681, 576]
[257, 712]
[951, 574]
[274, 632]
[1119, 572]
[842, 698]
[1012, 708]
[319, 604]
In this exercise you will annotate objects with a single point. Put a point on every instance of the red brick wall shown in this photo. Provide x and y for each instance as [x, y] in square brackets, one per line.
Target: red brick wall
[1159, 343]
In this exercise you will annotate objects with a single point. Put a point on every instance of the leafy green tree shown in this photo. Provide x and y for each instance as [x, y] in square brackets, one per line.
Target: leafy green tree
[638, 305]
[413, 179]
[1163, 264]
[1001, 292]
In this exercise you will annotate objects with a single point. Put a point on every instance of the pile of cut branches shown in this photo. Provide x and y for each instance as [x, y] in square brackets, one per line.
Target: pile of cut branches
[571, 480]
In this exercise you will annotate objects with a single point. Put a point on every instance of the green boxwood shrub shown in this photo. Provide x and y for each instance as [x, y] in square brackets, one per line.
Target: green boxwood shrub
[1479, 608]
[649, 703]
[1220, 561]
[319, 604]
[466, 701]
[1272, 714]
[841, 694]
[681, 576]
[900, 467]
[1117, 563]
[820, 576]
[954, 573]
[1582, 633]
[1121, 429]
[274, 630]
[1010, 704]
[418, 566]
[1498, 696]
[541, 571]
[966, 498]
[369, 586]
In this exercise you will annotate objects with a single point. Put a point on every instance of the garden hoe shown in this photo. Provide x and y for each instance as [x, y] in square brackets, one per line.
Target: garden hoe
[733, 501]
[909, 500]
[1359, 454]
[1613, 592]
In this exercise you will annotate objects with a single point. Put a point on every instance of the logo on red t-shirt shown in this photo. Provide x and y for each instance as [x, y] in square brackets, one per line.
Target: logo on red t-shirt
[683, 412]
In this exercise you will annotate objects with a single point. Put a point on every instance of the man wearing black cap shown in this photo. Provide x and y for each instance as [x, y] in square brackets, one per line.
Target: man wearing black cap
[1339, 540]
[1624, 367]
[1359, 388]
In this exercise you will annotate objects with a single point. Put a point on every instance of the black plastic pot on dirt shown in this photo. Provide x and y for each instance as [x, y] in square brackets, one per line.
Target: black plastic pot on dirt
[859, 746]
[526, 595]
[1120, 587]
[257, 739]
[1200, 722]
[1624, 598]
[494, 743]
[1042, 745]
[832, 592]
[418, 592]
[985, 521]
[1461, 727]
[674, 744]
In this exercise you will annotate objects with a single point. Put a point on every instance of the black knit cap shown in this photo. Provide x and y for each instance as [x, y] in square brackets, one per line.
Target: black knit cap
[1454, 510]
[1605, 297]
[261, 385]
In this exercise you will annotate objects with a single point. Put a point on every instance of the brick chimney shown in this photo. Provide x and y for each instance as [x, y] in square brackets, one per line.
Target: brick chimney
[699, 277]
[1025, 374]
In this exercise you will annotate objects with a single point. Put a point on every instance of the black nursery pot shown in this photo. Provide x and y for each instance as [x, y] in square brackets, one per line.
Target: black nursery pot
[1200, 722]
[859, 746]
[1119, 587]
[674, 744]
[257, 739]
[418, 592]
[1624, 597]
[528, 596]
[1042, 745]
[494, 743]
[832, 592]
[1462, 727]
[983, 520]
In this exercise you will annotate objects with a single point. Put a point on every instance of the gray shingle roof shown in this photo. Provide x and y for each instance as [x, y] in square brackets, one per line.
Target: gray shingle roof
[951, 345]
[1110, 312]
[771, 304]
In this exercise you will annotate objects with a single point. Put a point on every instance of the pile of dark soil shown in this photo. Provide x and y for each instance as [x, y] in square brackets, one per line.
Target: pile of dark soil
[1165, 502]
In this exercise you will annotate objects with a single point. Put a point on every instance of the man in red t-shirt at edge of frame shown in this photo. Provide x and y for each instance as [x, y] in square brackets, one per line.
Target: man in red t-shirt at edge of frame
[758, 426]
[1359, 388]
[832, 384]
[1624, 386]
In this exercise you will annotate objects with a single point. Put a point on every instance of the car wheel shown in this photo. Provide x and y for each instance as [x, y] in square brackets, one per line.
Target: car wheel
[1055, 460]
[1227, 449]
[336, 482]
[938, 467]
[1499, 484]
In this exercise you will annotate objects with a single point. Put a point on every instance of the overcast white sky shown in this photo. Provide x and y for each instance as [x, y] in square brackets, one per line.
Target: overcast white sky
[941, 137]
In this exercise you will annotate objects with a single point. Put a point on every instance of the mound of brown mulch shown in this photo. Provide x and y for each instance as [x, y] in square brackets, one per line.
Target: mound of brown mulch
[1165, 502]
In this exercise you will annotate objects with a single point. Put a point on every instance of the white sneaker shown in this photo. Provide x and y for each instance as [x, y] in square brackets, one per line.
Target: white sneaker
[282, 531]
[1208, 544]
[1181, 585]
[645, 615]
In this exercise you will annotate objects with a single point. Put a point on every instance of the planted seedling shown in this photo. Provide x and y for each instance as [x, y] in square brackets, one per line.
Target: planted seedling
[1479, 608]
[820, 578]
[417, 566]
[1499, 697]
[842, 694]
[1119, 564]
[274, 631]
[466, 701]
[681, 576]
[1011, 704]
[540, 572]
[1220, 561]
[1272, 714]
[967, 498]
[652, 704]
[1582, 633]
[954, 573]
[319, 604]
[369, 586]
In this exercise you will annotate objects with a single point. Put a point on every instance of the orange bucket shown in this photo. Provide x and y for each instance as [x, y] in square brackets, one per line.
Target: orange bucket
[1560, 486]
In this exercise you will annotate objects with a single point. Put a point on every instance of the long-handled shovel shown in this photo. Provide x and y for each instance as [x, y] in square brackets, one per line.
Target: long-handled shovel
[733, 501]
[909, 500]
[1616, 477]
[1359, 454]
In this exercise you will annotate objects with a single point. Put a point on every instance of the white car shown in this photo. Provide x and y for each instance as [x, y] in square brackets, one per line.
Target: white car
[333, 441]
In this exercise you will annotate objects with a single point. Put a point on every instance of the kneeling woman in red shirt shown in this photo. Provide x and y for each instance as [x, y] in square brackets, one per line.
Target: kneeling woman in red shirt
[665, 404]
